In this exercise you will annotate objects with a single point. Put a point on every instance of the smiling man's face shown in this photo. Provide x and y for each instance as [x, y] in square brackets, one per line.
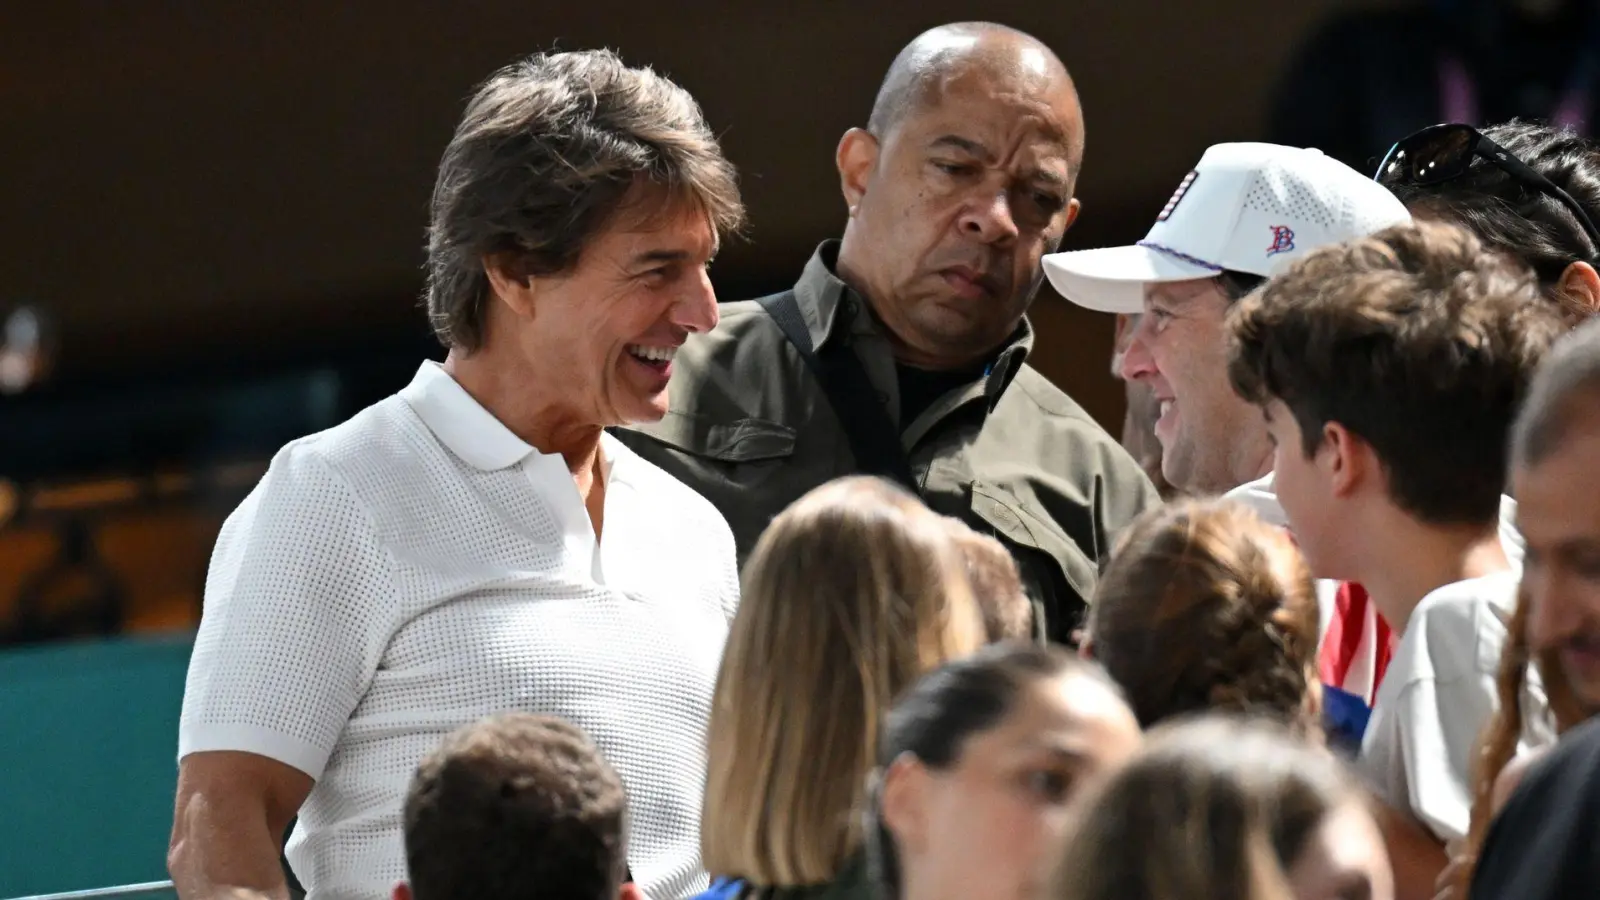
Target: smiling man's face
[1211, 440]
[1560, 521]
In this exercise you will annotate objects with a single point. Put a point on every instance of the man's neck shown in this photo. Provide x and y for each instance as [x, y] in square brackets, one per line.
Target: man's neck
[511, 396]
[1242, 468]
[1263, 468]
[1406, 562]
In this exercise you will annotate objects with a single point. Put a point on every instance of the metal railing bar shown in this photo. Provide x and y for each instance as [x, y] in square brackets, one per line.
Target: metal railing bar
[151, 888]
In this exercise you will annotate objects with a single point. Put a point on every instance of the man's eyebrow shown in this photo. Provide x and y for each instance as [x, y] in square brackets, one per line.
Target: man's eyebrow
[1053, 179]
[660, 256]
[967, 145]
[1061, 751]
[1178, 296]
[960, 143]
[1577, 546]
[1067, 755]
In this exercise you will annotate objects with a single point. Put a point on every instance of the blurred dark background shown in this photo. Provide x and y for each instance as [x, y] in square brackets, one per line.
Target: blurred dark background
[214, 214]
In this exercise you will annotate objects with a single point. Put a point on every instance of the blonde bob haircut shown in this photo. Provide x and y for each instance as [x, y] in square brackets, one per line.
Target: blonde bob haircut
[851, 594]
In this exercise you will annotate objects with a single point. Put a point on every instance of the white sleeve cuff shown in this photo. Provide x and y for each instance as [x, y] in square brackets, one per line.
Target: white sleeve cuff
[205, 738]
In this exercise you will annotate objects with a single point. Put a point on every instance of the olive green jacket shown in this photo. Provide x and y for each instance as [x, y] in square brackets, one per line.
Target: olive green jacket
[750, 428]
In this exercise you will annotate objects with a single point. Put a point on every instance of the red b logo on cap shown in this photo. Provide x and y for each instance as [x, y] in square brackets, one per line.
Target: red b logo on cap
[1282, 239]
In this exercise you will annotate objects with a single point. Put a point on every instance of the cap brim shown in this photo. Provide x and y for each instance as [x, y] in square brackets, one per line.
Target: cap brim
[1112, 279]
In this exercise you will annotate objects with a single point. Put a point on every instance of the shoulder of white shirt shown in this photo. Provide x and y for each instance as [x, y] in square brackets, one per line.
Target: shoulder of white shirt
[1493, 588]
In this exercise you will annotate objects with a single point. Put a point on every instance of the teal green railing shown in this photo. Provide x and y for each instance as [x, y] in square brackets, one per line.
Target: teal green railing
[155, 890]
[88, 765]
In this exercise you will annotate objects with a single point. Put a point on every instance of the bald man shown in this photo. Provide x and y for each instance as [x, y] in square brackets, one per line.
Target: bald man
[902, 349]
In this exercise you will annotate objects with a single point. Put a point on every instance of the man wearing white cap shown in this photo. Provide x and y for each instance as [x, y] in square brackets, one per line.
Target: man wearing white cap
[1245, 211]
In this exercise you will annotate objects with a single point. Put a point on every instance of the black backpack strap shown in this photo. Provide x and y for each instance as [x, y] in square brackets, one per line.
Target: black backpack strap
[874, 441]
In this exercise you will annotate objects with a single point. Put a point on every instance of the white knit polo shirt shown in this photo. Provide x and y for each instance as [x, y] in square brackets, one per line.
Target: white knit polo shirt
[418, 567]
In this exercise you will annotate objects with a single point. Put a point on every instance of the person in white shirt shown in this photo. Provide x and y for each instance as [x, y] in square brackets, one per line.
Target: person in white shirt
[477, 543]
[1246, 211]
[1389, 370]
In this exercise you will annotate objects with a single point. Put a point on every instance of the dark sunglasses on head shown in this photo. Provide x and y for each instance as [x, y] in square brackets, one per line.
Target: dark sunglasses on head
[1439, 153]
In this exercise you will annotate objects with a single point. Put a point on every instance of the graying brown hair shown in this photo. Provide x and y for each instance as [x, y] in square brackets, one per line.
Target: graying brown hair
[548, 151]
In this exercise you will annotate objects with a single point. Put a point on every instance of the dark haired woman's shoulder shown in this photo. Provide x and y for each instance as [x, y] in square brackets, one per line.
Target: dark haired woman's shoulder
[852, 884]
[1546, 841]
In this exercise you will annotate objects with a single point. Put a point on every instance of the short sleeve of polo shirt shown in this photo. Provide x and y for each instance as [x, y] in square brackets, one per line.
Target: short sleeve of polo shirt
[299, 601]
[1419, 753]
[1436, 699]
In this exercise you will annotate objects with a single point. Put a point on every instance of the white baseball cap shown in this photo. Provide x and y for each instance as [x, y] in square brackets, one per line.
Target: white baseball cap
[1246, 207]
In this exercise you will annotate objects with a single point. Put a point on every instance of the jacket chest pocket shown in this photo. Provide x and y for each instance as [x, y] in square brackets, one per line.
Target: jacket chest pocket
[744, 466]
[1059, 577]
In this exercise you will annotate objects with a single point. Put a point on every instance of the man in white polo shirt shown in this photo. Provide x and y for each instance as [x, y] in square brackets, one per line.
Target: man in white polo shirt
[1245, 211]
[476, 543]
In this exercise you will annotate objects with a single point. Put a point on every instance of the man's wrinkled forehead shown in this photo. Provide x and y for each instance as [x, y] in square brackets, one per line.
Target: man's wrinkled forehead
[1019, 93]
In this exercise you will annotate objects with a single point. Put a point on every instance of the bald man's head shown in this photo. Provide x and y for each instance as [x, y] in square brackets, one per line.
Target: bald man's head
[963, 180]
[923, 69]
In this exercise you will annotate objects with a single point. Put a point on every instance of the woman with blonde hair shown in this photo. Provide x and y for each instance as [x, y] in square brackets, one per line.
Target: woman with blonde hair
[1220, 808]
[851, 594]
[1205, 606]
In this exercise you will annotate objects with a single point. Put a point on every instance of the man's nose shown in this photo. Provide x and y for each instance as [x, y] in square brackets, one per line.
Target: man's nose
[696, 307]
[990, 220]
[1137, 363]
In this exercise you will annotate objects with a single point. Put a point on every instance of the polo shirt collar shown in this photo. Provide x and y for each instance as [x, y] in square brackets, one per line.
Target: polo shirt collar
[461, 423]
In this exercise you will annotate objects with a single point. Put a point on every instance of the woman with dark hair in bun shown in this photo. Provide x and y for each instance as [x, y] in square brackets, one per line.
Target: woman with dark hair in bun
[982, 764]
[1204, 606]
